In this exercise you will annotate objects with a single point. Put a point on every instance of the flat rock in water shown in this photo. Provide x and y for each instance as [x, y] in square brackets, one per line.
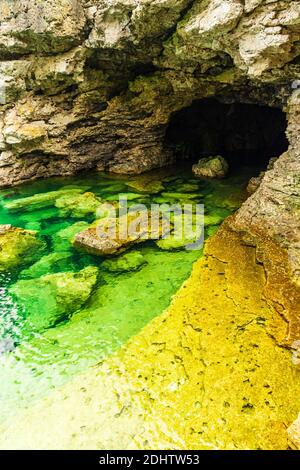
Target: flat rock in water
[113, 236]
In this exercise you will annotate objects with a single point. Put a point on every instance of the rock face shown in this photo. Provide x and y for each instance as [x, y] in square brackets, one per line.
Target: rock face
[93, 84]
[270, 221]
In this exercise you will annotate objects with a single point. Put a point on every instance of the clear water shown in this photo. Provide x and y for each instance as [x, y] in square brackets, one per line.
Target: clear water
[32, 362]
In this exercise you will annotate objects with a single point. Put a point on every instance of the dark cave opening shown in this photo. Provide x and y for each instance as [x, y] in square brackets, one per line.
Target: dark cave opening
[244, 134]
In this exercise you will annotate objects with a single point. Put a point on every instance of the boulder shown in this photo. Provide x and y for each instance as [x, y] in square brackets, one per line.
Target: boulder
[109, 236]
[211, 167]
[18, 247]
[53, 298]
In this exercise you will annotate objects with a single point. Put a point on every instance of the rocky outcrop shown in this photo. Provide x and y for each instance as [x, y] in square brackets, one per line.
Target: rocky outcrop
[92, 84]
[270, 220]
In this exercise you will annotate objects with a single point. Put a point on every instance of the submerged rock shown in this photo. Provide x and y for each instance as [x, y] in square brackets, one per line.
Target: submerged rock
[173, 243]
[186, 187]
[55, 262]
[39, 201]
[62, 240]
[211, 167]
[179, 196]
[106, 209]
[18, 247]
[78, 205]
[129, 262]
[128, 196]
[53, 298]
[146, 184]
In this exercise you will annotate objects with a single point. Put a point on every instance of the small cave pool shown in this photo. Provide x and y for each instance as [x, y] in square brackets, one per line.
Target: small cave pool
[100, 353]
[38, 353]
[244, 134]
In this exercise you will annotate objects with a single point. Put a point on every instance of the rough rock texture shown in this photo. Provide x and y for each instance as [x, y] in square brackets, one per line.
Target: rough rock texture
[93, 83]
[111, 235]
[18, 247]
[211, 167]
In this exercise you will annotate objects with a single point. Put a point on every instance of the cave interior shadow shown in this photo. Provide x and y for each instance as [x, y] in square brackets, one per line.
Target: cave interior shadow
[244, 134]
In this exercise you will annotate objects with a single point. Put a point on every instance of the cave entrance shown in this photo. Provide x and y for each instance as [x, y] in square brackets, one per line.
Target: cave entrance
[244, 134]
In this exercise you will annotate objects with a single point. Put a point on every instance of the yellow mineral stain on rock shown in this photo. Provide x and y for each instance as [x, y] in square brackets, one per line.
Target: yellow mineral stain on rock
[207, 374]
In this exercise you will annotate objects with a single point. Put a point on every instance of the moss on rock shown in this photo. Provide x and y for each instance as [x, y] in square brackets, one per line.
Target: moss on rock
[18, 247]
[78, 205]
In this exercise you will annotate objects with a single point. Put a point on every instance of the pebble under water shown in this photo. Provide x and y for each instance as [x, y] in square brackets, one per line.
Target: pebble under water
[34, 362]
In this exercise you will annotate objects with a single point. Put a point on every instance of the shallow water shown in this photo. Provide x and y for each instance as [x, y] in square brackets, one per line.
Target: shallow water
[32, 363]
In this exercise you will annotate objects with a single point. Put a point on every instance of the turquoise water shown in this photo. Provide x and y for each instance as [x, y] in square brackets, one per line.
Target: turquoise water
[36, 355]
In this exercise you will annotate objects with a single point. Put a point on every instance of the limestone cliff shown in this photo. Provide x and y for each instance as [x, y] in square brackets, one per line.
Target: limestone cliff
[93, 83]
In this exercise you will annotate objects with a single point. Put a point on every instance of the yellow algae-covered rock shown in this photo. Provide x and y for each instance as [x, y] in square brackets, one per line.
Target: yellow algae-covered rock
[207, 374]
[18, 247]
[294, 433]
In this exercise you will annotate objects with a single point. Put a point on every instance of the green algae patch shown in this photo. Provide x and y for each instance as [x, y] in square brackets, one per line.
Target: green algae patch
[53, 298]
[18, 247]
